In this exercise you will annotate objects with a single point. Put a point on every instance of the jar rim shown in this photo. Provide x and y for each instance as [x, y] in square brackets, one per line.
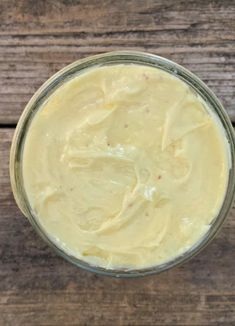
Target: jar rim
[113, 58]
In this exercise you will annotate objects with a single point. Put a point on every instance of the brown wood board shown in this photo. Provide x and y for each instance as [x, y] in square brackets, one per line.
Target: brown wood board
[37, 38]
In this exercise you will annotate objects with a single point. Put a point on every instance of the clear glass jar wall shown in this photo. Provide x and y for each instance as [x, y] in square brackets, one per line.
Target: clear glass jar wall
[102, 60]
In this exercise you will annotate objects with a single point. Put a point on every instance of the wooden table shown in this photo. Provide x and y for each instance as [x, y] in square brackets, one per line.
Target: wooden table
[39, 37]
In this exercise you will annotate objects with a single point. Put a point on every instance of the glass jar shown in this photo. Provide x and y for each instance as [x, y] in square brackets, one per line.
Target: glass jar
[62, 77]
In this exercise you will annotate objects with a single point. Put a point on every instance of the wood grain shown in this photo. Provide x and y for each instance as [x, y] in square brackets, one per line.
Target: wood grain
[37, 38]
[39, 288]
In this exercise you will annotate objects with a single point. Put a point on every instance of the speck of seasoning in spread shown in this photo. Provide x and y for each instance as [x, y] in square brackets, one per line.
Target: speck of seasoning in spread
[159, 177]
[125, 125]
[146, 77]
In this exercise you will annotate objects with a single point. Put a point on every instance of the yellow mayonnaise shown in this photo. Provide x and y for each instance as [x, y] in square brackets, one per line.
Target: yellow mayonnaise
[125, 167]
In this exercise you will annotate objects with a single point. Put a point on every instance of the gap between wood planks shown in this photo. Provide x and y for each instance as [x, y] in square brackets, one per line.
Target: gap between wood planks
[13, 125]
[7, 125]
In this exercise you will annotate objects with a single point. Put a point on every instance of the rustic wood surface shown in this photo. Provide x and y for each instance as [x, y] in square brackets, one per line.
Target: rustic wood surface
[38, 37]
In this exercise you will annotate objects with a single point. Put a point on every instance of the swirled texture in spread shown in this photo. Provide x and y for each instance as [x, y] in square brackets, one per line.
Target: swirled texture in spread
[125, 167]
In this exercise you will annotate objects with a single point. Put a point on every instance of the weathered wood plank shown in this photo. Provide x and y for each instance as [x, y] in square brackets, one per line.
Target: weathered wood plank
[37, 38]
[39, 288]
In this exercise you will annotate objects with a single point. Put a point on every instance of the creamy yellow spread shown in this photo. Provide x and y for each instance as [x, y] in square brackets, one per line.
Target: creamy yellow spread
[125, 166]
